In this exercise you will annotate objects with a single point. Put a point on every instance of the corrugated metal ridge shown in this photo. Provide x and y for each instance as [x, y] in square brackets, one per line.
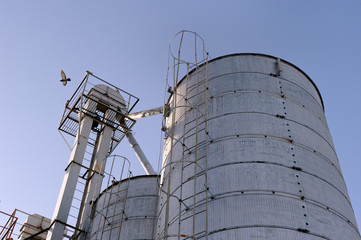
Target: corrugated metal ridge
[261, 55]
[126, 179]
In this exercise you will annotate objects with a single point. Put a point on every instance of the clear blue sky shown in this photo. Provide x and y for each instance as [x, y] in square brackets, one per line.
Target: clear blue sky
[126, 43]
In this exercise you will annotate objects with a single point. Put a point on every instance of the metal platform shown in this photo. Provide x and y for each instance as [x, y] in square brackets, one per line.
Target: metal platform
[75, 107]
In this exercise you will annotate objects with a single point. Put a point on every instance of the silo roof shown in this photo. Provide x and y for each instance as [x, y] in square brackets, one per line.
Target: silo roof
[262, 55]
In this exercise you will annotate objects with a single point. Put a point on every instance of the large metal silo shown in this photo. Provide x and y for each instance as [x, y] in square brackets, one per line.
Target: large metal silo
[126, 210]
[248, 155]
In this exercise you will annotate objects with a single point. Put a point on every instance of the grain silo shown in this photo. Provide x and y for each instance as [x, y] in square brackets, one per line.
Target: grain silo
[126, 210]
[248, 155]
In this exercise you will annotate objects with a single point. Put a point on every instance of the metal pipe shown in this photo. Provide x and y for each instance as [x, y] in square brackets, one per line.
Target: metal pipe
[141, 156]
[146, 113]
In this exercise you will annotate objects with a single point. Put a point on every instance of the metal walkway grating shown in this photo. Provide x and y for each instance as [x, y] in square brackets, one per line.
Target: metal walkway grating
[75, 107]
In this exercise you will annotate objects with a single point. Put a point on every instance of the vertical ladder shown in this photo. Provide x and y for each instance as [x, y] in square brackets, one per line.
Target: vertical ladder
[199, 164]
[121, 195]
[194, 142]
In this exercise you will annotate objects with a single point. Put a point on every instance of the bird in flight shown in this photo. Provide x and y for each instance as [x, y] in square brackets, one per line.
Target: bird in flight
[64, 80]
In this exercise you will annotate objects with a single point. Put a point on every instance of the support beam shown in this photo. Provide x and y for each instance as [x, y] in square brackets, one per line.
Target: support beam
[147, 113]
[141, 156]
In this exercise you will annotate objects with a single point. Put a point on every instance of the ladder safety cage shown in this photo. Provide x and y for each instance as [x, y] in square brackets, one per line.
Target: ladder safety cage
[181, 63]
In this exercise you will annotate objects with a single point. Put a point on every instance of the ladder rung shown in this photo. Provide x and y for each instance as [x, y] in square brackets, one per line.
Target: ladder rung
[72, 216]
[75, 207]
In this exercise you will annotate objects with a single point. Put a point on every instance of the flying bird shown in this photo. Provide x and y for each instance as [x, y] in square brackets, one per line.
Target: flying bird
[64, 80]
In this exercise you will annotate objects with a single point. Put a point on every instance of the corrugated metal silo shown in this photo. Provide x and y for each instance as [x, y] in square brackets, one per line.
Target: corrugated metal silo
[248, 155]
[126, 210]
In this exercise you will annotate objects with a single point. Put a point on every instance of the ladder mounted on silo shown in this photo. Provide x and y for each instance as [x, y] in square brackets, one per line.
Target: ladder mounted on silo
[201, 88]
[116, 196]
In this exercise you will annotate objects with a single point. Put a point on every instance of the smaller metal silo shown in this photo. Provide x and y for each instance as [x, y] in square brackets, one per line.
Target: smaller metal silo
[126, 210]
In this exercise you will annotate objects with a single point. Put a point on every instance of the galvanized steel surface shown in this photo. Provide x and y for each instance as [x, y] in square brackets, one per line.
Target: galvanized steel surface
[248, 154]
[127, 210]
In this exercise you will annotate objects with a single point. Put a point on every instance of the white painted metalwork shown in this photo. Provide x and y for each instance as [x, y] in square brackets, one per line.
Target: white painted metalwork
[140, 154]
[32, 225]
[70, 180]
[147, 113]
[94, 110]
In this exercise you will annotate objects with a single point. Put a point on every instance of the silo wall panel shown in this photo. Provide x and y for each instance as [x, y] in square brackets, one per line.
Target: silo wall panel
[259, 65]
[257, 210]
[267, 177]
[324, 194]
[239, 150]
[262, 233]
[302, 116]
[330, 223]
[310, 139]
[262, 125]
[296, 95]
[127, 210]
[250, 154]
